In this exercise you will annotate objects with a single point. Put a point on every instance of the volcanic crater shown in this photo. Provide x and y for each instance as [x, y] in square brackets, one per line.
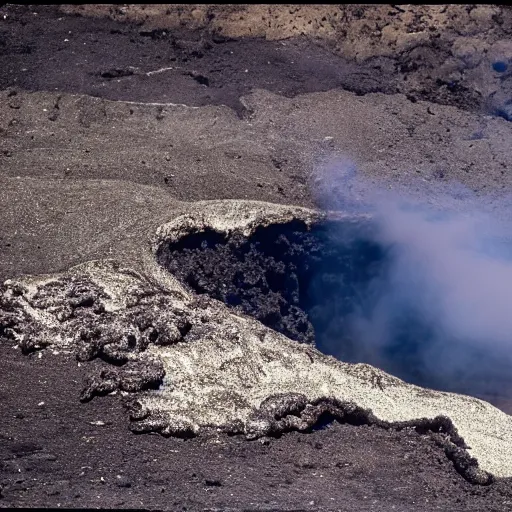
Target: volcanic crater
[311, 283]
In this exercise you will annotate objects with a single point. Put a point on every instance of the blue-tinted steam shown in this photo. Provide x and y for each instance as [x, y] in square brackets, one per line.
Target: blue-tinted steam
[439, 312]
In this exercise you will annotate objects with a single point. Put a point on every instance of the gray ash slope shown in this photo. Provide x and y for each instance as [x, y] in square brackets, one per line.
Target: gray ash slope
[133, 62]
[125, 62]
[71, 468]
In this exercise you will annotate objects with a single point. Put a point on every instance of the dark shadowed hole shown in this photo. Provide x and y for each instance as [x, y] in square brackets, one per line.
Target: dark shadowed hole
[500, 66]
[325, 420]
[312, 283]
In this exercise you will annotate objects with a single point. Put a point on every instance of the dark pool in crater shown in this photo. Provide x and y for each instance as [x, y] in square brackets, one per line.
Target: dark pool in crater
[314, 283]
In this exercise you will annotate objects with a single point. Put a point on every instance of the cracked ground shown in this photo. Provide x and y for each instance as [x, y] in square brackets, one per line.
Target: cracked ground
[110, 120]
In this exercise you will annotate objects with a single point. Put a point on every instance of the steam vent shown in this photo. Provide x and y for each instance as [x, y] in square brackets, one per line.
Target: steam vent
[239, 252]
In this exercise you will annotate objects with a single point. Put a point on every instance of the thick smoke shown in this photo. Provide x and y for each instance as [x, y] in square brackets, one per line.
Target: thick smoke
[439, 312]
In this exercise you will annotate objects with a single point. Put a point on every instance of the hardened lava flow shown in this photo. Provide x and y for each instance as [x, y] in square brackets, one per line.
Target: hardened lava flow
[188, 363]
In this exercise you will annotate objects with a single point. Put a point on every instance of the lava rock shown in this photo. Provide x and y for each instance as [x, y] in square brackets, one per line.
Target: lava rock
[123, 481]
